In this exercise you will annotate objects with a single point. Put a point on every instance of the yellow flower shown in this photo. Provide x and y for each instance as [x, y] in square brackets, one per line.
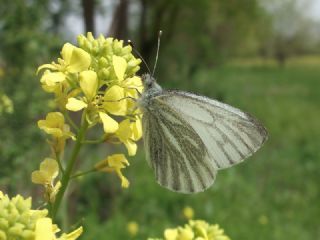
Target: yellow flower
[59, 76]
[54, 125]
[45, 176]
[127, 136]
[185, 234]
[49, 170]
[45, 230]
[119, 66]
[188, 212]
[73, 60]
[171, 234]
[19, 221]
[263, 220]
[133, 228]
[89, 84]
[114, 163]
[114, 101]
[109, 124]
[198, 230]
[6, 104]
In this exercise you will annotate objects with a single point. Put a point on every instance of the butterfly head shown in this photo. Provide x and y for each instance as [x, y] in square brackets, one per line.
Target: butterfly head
[149, 83]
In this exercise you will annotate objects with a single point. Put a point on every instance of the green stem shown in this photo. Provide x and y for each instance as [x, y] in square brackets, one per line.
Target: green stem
[66, 176]
[94, 141]
[70, 121]
[59, 163]
[82, 173]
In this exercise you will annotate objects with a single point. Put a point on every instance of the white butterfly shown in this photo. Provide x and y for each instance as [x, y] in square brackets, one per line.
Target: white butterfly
[188, 138]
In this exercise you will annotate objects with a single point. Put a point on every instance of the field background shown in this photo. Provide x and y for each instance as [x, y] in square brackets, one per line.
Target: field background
[274, 195]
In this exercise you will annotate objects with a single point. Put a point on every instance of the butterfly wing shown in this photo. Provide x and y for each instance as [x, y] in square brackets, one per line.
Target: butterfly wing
[229, 135]
[174, 150]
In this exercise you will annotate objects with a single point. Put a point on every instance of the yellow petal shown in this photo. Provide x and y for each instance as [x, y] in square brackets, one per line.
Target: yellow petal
[53, 124]
[119, 66]
[75, 105]
[124, 132]
[117, 161]
[46, 66]
[89, 83]
[66, 51]
[50, 166]
[109, 124]
[114, 101]
[39, 177]
[133, 86]
[131, 147]
[49, 170]
[56, 132]
[75, 234]
[124, 181]
[43, 229]
[52, 78]
[80, 60]
[171, 234]
[136, 130]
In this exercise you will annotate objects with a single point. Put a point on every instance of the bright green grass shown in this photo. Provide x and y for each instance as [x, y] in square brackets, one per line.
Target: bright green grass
[273, 195]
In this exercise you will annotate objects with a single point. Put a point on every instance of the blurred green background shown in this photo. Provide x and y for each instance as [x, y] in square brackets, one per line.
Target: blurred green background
[262, 56]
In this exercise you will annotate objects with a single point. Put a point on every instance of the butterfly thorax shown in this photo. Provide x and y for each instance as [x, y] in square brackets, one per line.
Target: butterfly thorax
[151, 89]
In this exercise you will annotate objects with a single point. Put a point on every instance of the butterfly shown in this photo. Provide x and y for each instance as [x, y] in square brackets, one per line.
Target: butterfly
[188, 138]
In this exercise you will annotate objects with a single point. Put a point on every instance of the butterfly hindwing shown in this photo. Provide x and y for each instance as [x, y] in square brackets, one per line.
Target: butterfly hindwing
[174, 150]
[229, 135]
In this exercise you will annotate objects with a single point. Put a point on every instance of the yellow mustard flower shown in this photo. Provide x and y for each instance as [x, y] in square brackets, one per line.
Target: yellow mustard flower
[188, 212]
[73, 60]
[46, 230]
[115, 163]
[89, 86]
[55, 125]
[195, 230]
[128, 133]
[132, 228]
[114, 101]
[59, 76]
[263, 220]
[19, 221]
[171, 234]
[45, 176]
[99, 79]
[6, 104]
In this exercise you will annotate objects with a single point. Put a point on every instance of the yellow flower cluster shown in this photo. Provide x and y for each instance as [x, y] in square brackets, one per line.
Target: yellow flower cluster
[98, 78]
[195, 230]
[6, 105]
[19, 221]
[45, 176]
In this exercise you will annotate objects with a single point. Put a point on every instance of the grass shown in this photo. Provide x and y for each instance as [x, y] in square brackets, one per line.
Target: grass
[273, 195]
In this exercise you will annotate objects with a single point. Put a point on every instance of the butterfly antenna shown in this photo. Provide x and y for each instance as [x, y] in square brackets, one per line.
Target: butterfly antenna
[158, 47]
[139, 55]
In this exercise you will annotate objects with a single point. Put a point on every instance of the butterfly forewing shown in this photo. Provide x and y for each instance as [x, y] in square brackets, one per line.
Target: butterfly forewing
[175, 151]
[229, 135]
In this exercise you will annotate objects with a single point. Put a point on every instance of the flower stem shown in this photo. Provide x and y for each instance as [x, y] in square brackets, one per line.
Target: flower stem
[82, 173]
[68, 171]
[59, 162]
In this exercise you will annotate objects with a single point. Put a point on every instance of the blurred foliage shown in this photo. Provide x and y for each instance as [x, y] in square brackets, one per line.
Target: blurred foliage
[203, 33]
[25, 43]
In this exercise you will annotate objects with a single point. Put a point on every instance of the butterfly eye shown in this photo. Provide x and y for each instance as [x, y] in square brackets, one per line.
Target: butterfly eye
[149, 84]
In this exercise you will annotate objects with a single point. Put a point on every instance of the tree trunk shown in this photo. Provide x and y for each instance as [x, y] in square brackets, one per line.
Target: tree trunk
[88, 7]
[119, 25]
